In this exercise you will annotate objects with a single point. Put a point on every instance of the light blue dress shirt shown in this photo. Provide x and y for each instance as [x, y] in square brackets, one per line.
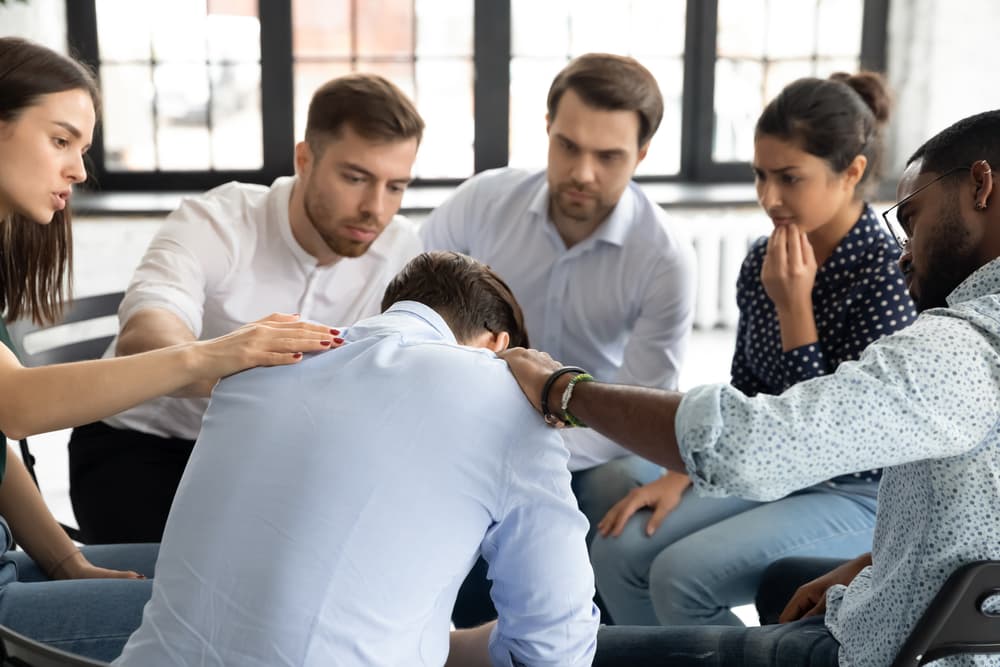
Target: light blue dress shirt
[620, 303]
[331, 510]
[924, 405]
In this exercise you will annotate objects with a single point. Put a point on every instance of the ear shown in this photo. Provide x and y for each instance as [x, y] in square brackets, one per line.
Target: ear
[500, 342]
[497, 342]
[303, 158]
[855, 171]
[982, 178]
[548, 123]
[642, 153]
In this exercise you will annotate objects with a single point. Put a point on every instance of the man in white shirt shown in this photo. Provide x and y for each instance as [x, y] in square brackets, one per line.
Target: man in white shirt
[606, 280]
[328, 514]
[322, 244]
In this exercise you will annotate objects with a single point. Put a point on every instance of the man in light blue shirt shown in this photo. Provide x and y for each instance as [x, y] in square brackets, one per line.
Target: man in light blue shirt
[606, 280]
[923, 404]
[329, 515]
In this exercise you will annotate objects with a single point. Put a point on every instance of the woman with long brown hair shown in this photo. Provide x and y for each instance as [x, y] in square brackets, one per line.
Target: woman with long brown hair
[83, 600]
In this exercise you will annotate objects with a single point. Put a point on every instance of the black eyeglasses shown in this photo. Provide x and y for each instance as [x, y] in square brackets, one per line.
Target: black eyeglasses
[897, 228]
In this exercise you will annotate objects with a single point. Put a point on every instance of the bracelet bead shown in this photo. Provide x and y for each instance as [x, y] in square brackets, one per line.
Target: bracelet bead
[551, 417]
[568, 416]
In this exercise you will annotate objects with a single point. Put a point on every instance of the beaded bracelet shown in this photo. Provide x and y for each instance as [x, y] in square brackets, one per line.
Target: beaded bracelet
[568, 416]
[550, 417]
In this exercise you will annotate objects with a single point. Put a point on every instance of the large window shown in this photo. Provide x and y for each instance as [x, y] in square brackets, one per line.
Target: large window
[546, 35]
[761, 45]
[424, 46]
[198, 92]
[181, 85]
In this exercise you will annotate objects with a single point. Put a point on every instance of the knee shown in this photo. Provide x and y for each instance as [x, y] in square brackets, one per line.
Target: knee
[678, 586]
[598, 489]
[622, 556]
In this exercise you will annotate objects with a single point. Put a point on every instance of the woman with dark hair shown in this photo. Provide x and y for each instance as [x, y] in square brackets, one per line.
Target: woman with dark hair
[815, 293]
[83, 600]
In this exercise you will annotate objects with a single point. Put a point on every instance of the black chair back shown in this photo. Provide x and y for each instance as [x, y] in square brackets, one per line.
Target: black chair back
[16, 650]
[84, 344]
[955, 621]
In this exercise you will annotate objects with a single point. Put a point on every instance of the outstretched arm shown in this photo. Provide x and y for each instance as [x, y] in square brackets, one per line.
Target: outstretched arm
[48, 398]
[639, 419]
[156, 328]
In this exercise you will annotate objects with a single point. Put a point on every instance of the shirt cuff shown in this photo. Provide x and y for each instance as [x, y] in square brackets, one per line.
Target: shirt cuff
[698, 425]
[804, 363]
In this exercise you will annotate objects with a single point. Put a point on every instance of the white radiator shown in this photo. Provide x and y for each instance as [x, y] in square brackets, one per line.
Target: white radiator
[721, 238]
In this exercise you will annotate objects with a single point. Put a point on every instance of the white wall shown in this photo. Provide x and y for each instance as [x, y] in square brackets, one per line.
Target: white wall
[43, 21]
[942, 62]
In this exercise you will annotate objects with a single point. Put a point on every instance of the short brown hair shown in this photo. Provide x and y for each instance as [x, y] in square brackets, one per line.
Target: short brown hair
[373, 106]
[613, 83]
[469, 295]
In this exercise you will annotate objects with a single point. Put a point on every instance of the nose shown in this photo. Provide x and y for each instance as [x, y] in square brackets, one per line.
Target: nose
[769, 195]
[76, 170]
[583, 169]
[373, 204]
[905, 260]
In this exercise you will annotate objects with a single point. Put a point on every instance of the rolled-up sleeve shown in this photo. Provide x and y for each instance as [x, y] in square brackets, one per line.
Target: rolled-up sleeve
[192, 252]
[909, 397]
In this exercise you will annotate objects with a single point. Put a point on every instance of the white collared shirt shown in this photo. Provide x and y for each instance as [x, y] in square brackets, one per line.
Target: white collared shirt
[331, 510]
[619, 303]
[228, 257]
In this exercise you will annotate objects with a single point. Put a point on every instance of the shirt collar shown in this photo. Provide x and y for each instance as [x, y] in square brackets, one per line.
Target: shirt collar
[432, 324]
[615, 227]
[278, 201]
[847, 253]
[984, 280]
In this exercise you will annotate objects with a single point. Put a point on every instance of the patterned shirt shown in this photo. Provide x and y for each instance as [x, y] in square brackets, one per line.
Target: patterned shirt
[859, 296]
[924, 404]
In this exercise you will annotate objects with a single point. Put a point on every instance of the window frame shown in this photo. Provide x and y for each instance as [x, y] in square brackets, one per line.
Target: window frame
[491, 62]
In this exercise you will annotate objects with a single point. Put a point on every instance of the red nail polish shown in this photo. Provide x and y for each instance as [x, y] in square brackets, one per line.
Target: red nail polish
[324, 342]
[334, 332]
[297, 355]
[338, 341]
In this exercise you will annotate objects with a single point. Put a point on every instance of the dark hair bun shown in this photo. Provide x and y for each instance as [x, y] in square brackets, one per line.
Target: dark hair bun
[872, 88]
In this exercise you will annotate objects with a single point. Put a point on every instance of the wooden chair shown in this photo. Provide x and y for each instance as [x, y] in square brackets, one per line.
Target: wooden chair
[955, 621]
[16, 650]
[79, 341]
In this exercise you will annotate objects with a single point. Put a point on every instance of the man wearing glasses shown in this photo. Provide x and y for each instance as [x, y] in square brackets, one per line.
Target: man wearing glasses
[923, 404]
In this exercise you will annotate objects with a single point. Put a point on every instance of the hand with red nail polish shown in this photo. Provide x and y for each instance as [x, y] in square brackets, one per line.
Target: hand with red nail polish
[275, 340]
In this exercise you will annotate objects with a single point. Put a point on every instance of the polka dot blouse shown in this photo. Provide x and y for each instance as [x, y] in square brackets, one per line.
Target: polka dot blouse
[859, 296]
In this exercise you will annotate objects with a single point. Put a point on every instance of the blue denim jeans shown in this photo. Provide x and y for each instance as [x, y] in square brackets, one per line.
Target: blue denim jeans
[805, 643]
[709, 554]
[598, 489]
[90, 617]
